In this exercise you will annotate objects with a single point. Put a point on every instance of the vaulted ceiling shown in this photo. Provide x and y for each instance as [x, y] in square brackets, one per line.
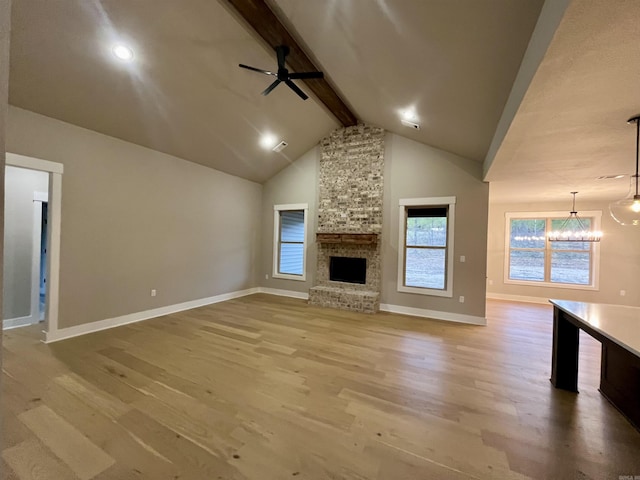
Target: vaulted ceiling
[571, 126]
[452, 62]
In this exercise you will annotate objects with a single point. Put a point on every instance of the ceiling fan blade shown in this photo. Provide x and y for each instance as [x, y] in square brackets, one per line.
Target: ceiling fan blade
[266, 72]
[282, 51]
[303, 75]
[295, 88]
[267, 90]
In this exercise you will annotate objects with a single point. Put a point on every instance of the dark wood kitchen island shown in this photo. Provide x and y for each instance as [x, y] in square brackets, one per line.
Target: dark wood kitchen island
[617, 328]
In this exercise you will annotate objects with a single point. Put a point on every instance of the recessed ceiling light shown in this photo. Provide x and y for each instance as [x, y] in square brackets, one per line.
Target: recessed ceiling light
[268, 141]
[122, 52]
[409, 114]
[409, 118]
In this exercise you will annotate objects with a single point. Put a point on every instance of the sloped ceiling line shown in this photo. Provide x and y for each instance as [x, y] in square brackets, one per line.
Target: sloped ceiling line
[266, 24]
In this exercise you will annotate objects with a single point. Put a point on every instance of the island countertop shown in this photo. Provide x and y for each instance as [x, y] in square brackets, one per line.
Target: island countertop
[618, 323]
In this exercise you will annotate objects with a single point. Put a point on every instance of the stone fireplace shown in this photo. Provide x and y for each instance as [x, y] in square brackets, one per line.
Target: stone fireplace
[350, 218]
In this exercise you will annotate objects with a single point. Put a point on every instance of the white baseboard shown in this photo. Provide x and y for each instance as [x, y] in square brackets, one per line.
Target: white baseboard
[416, 312]
[285, 293]
[435, 314]
[10, 323]
[70, 332]
[83, 329]
[518, 298]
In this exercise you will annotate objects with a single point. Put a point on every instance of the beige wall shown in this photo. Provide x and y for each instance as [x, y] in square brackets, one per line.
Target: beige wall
[295, 184]
[134, 220]
[20, 184]
[5, 22]
[619, 257]
[411, 170]
[415, 170]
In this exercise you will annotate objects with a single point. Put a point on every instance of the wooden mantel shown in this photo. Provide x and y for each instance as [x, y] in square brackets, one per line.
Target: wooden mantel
[351, 238]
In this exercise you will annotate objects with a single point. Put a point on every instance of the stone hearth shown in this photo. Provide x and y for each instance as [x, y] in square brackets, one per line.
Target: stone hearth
[347, 296]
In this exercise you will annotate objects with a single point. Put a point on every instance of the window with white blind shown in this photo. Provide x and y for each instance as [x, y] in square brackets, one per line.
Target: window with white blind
[290, 241]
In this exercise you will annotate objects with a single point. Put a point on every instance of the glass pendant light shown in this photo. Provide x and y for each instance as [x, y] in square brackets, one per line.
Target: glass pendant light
[627, 210]
[573, 229]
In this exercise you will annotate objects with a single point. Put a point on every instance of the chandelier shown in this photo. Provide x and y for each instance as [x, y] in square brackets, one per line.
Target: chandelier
[573, 229]
[627, 210]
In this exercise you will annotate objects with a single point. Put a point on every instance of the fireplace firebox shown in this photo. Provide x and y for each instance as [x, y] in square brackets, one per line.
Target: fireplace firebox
[348, 269]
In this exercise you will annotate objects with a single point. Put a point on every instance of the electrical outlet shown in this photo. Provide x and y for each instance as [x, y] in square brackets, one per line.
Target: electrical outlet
[463, 259]
[623, 293]
[153, 292]
[490, 282]
[266, 276]
[461, 299]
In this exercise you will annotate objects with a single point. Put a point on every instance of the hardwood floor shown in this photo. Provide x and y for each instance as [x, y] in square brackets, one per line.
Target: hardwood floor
[266, 387]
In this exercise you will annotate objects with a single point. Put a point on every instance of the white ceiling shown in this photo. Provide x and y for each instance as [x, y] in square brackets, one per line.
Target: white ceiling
[453, 61]
[571, 125]
[184, 93]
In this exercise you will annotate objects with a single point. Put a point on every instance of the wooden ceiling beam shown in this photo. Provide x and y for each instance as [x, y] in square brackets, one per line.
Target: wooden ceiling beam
[266, 24]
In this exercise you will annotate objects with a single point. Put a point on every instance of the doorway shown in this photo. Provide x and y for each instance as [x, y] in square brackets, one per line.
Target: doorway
[25, 192]
[42, 279]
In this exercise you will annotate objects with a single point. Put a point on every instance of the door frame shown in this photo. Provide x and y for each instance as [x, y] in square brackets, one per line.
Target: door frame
[55, 171]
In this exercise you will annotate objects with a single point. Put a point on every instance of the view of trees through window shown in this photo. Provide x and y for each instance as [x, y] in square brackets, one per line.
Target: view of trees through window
[426, 242]
[533, 258]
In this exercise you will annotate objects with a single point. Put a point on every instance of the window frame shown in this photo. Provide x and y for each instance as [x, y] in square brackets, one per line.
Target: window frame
[276, 241]
[403, 203]
[596, 220]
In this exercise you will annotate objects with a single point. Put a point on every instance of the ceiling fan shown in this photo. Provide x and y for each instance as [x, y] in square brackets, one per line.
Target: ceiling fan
[283, 74]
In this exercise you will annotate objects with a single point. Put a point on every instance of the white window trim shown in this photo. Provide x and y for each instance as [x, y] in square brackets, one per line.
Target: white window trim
[425, 202]
[595, 261]
[276, 238]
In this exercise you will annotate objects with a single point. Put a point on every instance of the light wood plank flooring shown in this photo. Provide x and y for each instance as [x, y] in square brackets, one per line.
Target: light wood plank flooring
[265, 387]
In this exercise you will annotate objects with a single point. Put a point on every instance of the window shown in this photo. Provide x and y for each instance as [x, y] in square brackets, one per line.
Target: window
[531, 259]
[290, 237]
[425, 253]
